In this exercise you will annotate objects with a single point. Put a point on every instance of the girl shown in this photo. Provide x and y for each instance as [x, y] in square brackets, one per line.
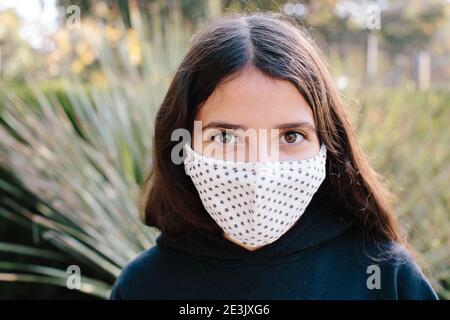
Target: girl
[308, 220]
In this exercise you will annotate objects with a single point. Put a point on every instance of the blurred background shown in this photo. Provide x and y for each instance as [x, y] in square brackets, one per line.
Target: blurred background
[80, 82]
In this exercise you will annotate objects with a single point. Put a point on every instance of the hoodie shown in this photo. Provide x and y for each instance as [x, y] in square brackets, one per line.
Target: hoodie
[323, 256]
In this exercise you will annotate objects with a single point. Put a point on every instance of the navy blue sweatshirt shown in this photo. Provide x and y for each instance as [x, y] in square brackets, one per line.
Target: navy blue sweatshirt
[323, 256]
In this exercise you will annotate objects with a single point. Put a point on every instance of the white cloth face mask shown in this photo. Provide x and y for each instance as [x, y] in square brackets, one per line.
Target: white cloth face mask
[255, 203]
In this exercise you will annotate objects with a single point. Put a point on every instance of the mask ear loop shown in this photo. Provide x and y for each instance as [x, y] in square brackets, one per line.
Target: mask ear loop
[323, 149]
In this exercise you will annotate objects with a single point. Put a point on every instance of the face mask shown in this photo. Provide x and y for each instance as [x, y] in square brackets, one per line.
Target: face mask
[255, 203]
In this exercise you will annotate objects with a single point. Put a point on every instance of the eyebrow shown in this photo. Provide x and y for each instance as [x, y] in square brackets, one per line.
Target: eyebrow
[283, 126]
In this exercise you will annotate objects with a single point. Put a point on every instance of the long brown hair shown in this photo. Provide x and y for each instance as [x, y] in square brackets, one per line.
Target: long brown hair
[275, 45]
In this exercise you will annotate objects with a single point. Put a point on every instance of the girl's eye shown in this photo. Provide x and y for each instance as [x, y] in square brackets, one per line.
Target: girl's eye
[291, 137]
[224, 137]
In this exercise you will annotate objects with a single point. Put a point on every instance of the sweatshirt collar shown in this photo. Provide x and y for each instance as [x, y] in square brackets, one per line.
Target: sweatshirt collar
[322, 221]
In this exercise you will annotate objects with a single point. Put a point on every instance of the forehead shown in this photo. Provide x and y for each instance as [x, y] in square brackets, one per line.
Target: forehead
[255, 100]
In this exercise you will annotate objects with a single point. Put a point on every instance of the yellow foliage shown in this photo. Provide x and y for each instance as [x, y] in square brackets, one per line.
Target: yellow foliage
[134, 48]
